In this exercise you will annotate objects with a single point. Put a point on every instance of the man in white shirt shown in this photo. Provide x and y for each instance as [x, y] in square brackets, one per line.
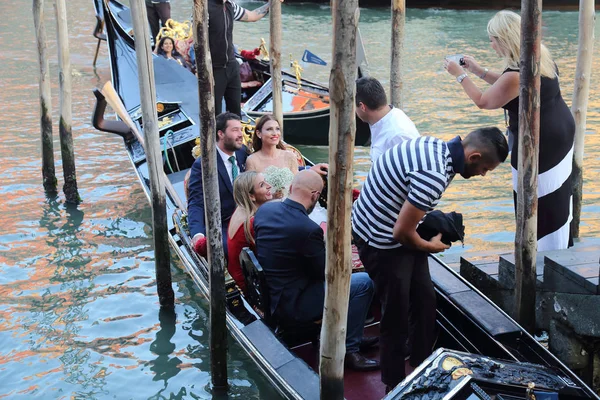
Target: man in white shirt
[389, 125]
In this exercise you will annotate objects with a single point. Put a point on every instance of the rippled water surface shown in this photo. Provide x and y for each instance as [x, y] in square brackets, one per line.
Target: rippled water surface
[79, 315]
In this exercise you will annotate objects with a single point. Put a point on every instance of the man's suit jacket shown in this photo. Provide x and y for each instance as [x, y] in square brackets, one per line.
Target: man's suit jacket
[196, 193]
[291, 250]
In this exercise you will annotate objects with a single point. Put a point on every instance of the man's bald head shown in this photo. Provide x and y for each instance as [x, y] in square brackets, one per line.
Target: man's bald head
[306, 188]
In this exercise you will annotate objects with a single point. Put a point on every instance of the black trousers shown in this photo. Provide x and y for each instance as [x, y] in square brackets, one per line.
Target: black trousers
[229, 86]
[403, 284]
[156, 12]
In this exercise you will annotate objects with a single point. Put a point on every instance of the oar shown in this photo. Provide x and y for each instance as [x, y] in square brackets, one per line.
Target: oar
[113, 99]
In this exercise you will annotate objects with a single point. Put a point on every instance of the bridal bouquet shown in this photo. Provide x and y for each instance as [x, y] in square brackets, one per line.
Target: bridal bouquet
[280, 179]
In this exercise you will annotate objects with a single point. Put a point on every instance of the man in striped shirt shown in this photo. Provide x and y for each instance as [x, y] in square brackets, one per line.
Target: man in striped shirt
[404, 184]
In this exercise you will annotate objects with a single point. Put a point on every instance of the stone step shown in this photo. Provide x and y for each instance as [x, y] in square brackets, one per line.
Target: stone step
[482, 271]
[506, 271]
[576, 273]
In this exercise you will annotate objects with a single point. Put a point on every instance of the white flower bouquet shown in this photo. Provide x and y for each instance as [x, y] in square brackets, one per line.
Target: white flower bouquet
[280, 179]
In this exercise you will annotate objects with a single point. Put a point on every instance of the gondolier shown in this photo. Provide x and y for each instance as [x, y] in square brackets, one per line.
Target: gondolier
[405, 183]
[226, 69]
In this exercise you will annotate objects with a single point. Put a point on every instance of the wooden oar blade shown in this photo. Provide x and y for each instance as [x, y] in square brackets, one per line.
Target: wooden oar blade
[113, 99]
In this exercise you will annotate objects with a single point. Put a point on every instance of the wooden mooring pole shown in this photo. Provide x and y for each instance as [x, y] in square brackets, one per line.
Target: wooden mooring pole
[48, 169]
[581, 91]
[398, 20]
[275, 60]
[64, 79]
[212, 202]
[342, 129]
[529, 137]
[160, 228]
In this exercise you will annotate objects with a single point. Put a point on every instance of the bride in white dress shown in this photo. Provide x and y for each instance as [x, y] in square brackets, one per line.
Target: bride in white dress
[270, 157]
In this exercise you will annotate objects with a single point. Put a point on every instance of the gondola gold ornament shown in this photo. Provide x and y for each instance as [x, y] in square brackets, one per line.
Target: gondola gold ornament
[460, 372]
[451, 362]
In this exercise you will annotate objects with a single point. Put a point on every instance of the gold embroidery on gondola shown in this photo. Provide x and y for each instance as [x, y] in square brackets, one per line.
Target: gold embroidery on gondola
[297, 71]
[247, 132]
[460, 372]
[196, 149]
[530, 391]
[263, 50]
[451, 362]
[164, 122]
[175, 30]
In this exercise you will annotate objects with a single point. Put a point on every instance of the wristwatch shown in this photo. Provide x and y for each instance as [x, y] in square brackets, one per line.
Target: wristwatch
[460, 78]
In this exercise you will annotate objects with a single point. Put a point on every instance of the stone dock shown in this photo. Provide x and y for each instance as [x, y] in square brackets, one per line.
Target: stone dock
[568, 299]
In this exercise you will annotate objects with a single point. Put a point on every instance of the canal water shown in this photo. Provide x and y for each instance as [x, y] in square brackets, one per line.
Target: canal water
[79, 316]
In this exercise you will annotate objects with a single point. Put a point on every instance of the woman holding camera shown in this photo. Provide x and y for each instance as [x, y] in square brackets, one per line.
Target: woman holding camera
[557, 127]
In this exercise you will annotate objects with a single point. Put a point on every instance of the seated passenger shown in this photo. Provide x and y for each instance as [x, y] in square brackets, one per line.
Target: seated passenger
[231, 160]
[291, 251]
[250, 191]
[166, 48]
[270, 153]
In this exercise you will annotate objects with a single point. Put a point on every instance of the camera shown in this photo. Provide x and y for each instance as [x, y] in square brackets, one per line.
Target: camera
[457, 58]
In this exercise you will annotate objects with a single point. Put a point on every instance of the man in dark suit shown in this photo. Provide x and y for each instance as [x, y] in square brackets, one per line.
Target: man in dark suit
[291, 250]
[231, 161]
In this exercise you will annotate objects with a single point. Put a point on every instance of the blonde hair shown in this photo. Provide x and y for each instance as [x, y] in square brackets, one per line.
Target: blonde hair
[243, 187]
[505, 27]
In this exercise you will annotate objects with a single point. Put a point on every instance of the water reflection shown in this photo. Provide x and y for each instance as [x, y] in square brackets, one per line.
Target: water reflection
[164, 366]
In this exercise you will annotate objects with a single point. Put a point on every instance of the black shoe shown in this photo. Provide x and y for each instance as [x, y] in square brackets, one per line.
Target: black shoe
[358, 362]
[388, 389]
[367, 342]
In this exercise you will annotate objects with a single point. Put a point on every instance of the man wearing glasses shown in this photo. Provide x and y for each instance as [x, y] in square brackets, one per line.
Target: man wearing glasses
[291, 251]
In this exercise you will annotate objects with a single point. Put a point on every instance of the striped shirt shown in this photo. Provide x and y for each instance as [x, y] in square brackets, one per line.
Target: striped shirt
[418, 170]
[238, 12]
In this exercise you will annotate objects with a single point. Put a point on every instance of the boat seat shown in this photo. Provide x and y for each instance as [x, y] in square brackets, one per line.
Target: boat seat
[257, 291]
[257, 294]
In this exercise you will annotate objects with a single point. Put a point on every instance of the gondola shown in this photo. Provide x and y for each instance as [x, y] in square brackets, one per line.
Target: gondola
[305, 102]
[479, 348]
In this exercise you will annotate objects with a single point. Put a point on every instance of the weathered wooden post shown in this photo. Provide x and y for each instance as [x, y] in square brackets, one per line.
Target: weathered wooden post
[342, 129]
[151, 143]
[64, 79]
[581, 93]
[275, 60]
[529, 135]
[212, 202]
[398, 19]
[48, 170]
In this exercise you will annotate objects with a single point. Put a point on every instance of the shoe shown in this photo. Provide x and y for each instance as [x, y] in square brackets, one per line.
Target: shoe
[388, 389]
[367, 342]
[358, 362]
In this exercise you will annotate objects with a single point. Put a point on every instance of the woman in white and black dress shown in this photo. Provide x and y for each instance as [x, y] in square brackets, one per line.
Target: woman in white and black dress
[557, 126]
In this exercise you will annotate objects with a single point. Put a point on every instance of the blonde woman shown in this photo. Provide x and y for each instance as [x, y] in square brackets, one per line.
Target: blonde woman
[557, 127]
[250, 191]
